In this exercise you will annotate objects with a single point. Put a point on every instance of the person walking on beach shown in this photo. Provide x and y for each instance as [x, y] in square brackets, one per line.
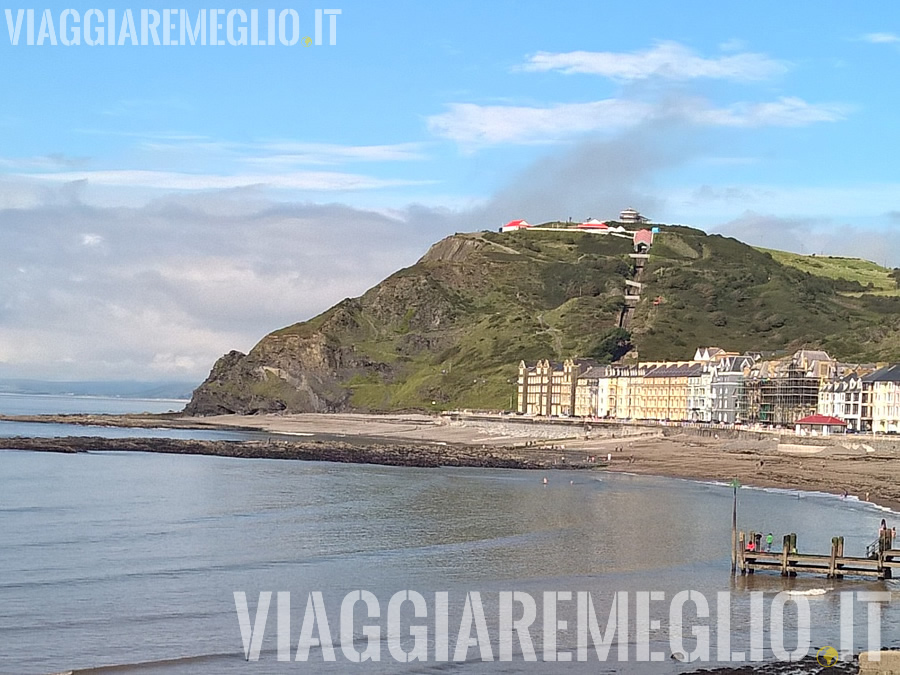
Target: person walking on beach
[769, 539]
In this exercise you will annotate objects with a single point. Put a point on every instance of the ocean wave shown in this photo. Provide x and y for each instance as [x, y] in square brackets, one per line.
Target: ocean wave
[811, 591]
[155, 664]
[806, 494]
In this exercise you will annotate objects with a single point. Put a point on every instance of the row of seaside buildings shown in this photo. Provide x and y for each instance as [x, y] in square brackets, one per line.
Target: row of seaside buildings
[718, 387]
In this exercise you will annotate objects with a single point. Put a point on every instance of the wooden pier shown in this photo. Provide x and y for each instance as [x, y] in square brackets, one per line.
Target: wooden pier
[880, 561]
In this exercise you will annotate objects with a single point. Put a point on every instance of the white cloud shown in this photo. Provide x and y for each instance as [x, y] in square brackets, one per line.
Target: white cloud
[332, 153]
[785, 112]
[469, 123]
[50, 162]
[189, 277]
[303, 152]
[881, 38]
[668, 60]
[812, 235]
[91, 240]
[859, 202]
[170, 180]
[474, 125]
[280, 153]
[733, 45]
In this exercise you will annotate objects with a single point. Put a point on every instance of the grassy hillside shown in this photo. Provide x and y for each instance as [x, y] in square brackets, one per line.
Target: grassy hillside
[868, 274]
[450, 330]
[525, 295]
[717, 290]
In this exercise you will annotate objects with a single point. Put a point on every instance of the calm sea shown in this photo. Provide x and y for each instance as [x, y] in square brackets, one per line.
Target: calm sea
[17, 404]
[14, 404]
[131, 560]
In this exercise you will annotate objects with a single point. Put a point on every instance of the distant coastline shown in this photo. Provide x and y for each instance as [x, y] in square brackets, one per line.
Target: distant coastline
[95, 396]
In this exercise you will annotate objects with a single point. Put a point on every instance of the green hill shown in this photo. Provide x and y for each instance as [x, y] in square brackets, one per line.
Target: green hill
[450, 330]
[874, 277]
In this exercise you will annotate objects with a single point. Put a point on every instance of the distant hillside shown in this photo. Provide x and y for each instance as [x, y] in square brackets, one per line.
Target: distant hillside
[450, 330]
[877, 279]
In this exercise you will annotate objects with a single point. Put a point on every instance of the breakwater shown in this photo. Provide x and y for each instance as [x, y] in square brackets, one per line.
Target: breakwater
[390, 454]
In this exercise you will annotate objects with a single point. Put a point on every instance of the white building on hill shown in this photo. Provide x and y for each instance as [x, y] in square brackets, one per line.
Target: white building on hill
[632, 216]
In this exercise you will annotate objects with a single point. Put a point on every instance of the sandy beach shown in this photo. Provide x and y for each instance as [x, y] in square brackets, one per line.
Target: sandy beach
[857, 466]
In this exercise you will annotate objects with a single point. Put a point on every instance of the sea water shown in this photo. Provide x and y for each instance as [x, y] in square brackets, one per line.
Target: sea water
[133, 560]
[18, 404]
[38, 404]
[130, 561]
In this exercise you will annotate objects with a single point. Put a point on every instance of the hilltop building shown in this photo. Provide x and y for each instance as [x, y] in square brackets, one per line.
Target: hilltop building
[628, 217]
[632, 216]
[592, 224]
[514, 225]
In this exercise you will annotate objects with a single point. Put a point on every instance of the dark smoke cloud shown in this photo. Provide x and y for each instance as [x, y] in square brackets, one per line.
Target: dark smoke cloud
[595, 177]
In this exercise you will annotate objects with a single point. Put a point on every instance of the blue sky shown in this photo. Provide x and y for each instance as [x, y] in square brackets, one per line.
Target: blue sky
[160, 205]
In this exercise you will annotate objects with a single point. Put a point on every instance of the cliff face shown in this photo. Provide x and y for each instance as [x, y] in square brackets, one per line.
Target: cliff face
[451, 329]
[294, 371]
[307, 367]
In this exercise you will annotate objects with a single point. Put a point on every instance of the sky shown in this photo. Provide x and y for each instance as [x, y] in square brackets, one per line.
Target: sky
[161, 205]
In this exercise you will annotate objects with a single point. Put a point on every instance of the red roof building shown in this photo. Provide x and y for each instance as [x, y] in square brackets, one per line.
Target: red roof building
[643, 239]
[513, 225]
[592, 224]
[819, 425]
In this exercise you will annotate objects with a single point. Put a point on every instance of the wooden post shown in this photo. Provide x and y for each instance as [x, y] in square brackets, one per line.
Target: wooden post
[840, 555]
[889, 536]
[741, 560]
[793, 572]
[785, 551]
[832, 563]
[884, 545]
[734, 486]
[751, 539]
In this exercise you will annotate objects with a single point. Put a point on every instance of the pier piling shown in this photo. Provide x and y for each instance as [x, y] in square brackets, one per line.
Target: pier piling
[880, 561]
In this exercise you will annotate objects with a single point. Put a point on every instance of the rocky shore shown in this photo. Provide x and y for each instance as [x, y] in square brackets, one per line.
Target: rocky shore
[416, 455]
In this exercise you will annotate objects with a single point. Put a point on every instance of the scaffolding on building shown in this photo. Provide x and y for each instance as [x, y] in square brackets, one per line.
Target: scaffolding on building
[780, 392]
